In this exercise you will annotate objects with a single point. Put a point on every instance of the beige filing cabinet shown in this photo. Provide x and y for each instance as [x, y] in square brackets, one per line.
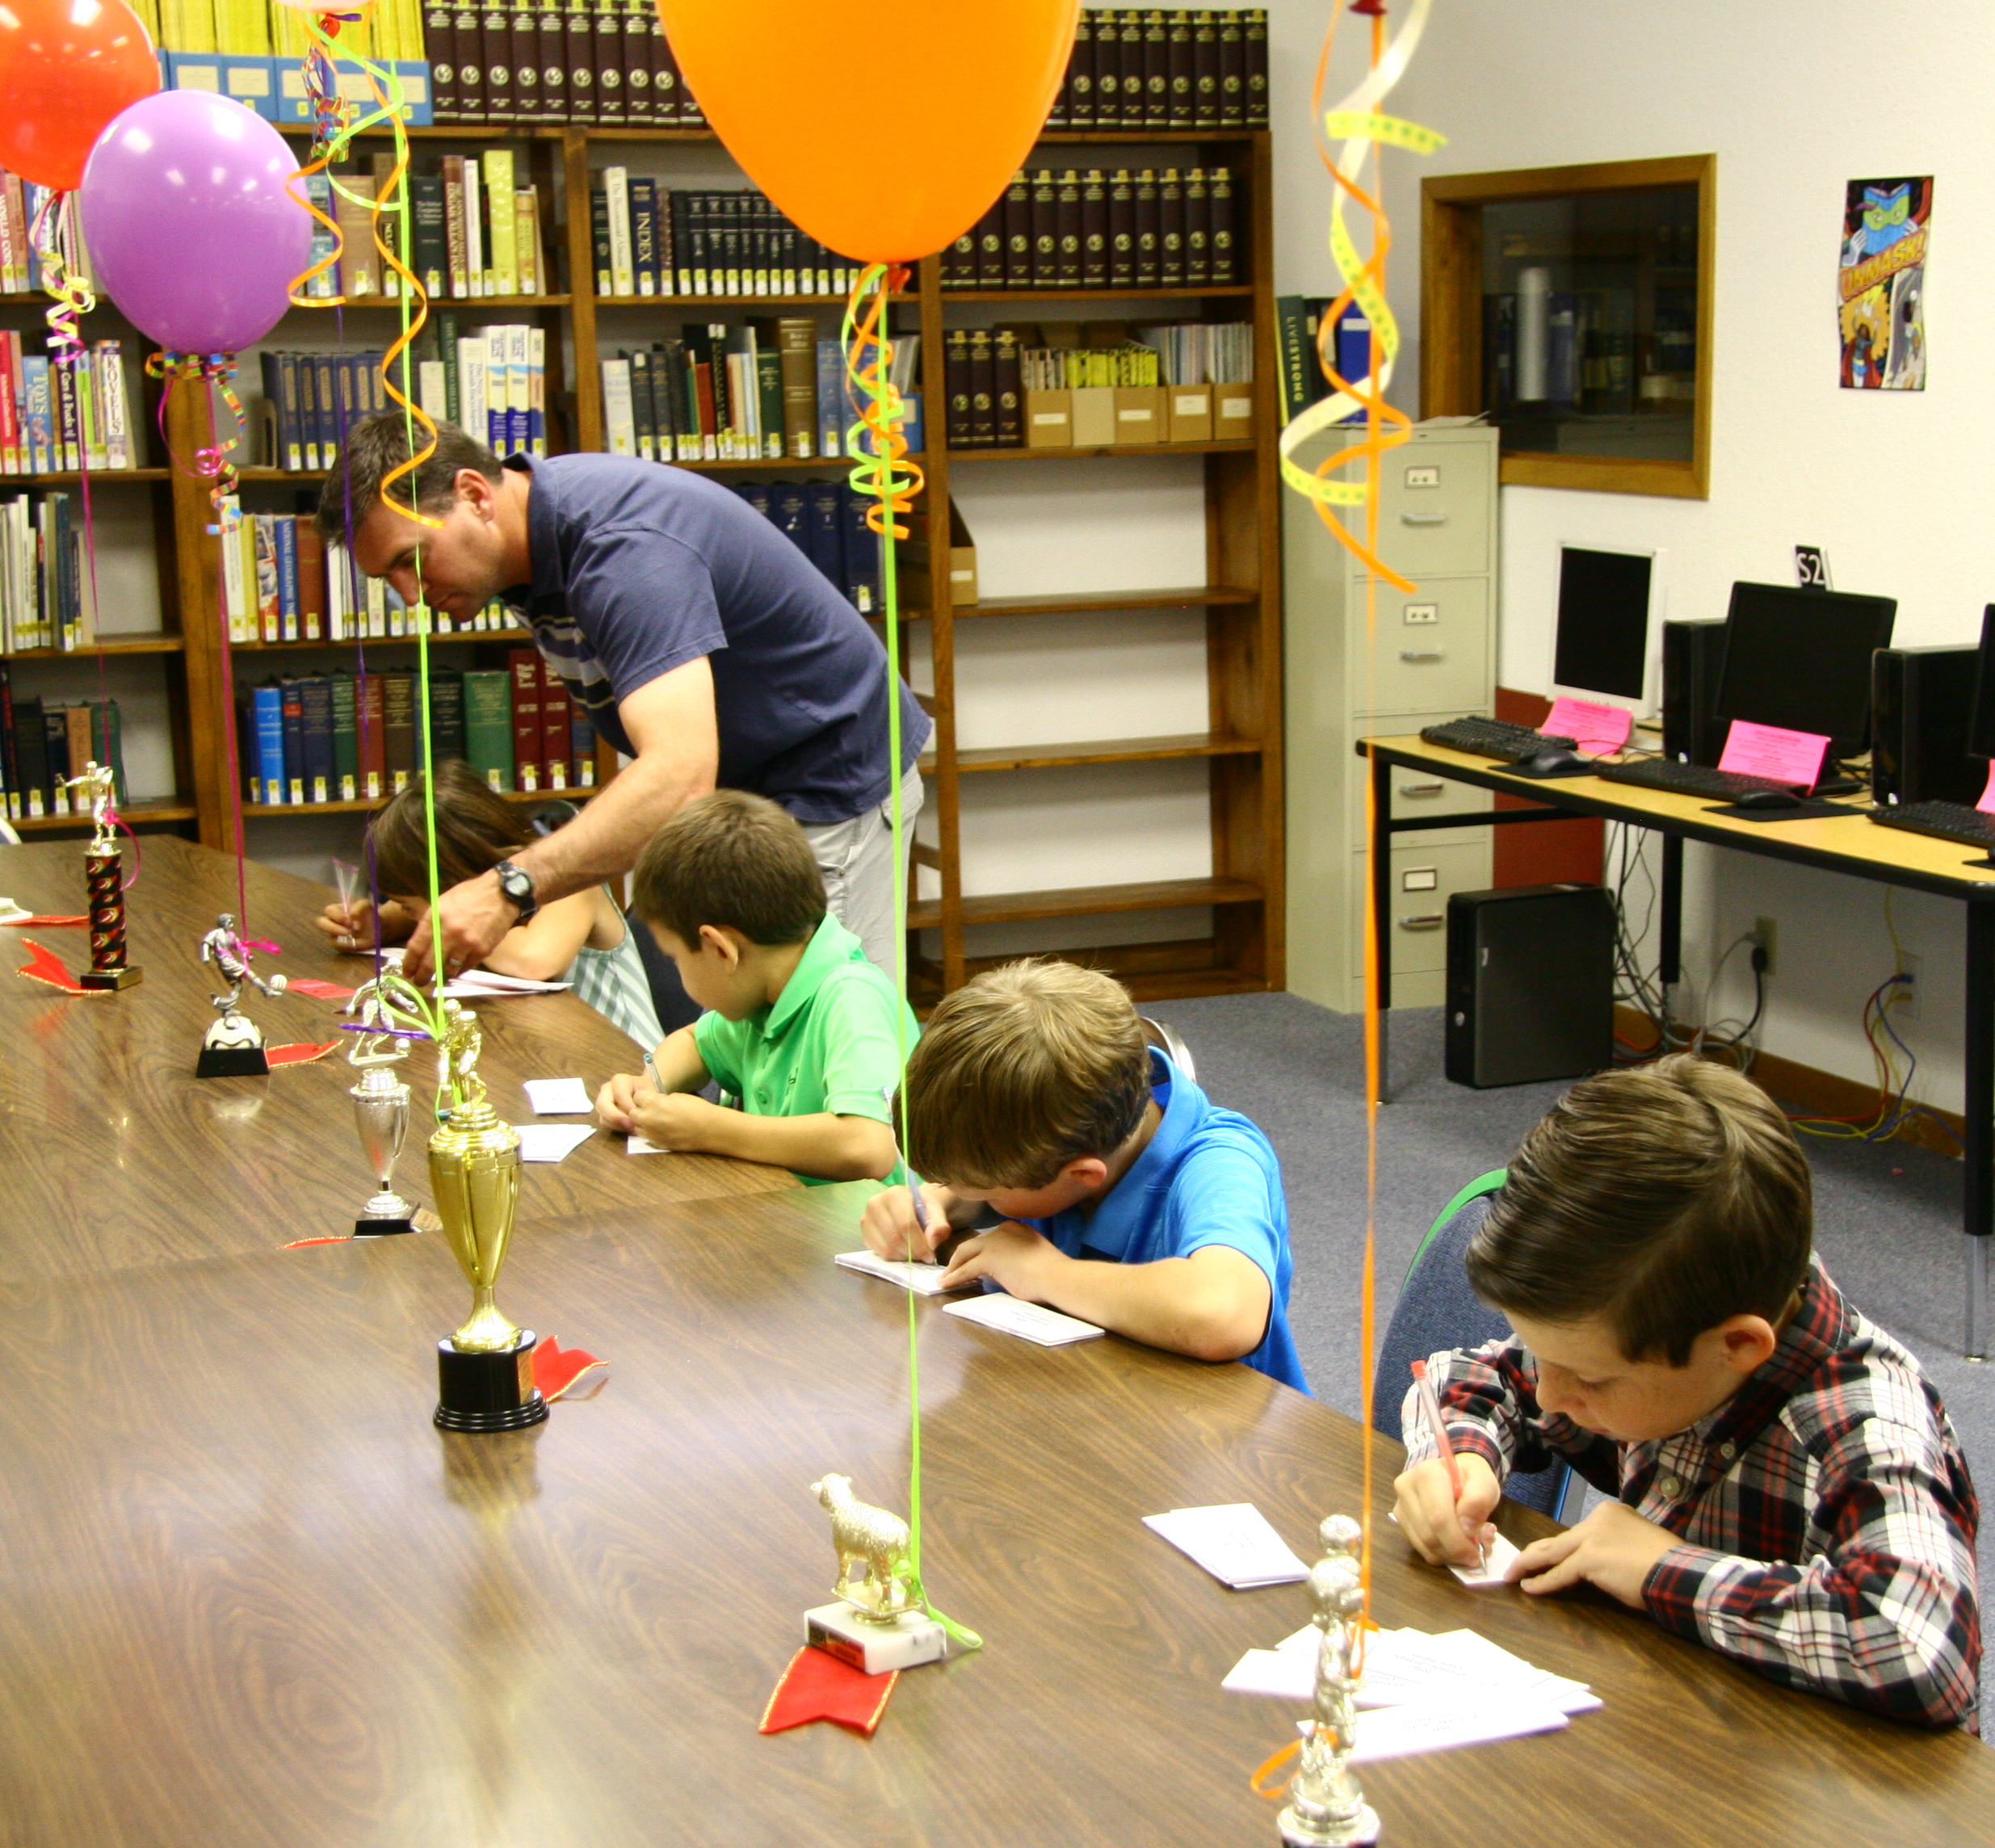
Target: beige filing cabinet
[1431, 656]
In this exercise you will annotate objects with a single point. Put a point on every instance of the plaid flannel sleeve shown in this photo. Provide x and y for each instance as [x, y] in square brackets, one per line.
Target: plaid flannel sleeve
[1886, 1619]
[1489, 1399]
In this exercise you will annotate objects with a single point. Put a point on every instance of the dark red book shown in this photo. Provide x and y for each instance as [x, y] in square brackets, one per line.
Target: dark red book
[1156, 74]
[1093, 230]
[1121, 230]
[1170, 230]
[495, 34]
[639, 110]
[1146, 229]
[1017, 214]
[1226, 255]
[578, 30]
[609, 102]
[1080, 89]
[465, 16]
[368, 722]
[556, 771]
[1177, 66]
[1045, 230]
[439, 41]
[1204, 71]
[528, 770]
[1233, 72]
[551, 36]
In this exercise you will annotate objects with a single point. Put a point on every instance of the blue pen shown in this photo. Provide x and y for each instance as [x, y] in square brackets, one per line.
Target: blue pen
[915, 1180]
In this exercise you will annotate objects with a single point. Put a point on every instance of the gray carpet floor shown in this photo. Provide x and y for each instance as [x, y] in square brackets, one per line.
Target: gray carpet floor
[1886, 1220]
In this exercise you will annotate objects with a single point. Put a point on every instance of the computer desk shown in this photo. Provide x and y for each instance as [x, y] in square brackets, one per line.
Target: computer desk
[1837, 844]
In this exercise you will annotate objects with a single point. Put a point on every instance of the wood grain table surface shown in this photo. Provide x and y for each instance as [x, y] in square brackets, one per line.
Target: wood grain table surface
[252, 1596]
[115, 1153]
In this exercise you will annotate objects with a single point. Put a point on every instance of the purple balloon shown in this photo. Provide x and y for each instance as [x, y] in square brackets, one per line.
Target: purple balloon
[190, 230]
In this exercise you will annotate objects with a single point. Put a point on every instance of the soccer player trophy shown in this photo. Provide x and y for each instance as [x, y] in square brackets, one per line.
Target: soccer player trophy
[103, 877]
[484, 1371]
[380, 1104]
[232, 1047]
[880, 1621]
[1325, 1808]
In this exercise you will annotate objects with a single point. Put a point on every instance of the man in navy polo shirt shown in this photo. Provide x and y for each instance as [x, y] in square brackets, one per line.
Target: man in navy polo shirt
[699, 640]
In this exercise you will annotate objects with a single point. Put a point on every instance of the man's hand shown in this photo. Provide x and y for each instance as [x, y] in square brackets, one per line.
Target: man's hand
[475, 916]
[1613, 1548]
[675, 1119]
[616, 1103]
[351, 926]
[889, 1228]
[1445, 1531]
[1020, 1259]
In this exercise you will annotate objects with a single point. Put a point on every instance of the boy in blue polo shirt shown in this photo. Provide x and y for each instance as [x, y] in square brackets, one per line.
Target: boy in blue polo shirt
[1129, 1199]
[800, 1026]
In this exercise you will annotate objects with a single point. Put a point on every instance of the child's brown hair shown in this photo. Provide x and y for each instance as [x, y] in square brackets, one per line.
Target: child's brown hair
[476, 829]
[733, 860]
[1663, 1199]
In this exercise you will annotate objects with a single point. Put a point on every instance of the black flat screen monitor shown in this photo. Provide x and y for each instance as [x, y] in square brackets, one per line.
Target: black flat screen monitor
[1801, 660]
[1602, 645]
[1981, 725]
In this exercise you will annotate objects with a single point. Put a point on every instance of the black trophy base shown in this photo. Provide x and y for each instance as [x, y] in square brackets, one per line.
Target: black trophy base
[232, 1062]
[488, 1392]
[111, 978]
[381, 1228]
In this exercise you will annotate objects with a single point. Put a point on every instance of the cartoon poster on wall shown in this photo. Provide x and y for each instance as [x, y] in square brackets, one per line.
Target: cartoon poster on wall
[1881, 283]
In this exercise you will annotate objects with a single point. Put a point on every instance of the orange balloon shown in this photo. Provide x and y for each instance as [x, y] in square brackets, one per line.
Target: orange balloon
[885, 132]
[67, 68]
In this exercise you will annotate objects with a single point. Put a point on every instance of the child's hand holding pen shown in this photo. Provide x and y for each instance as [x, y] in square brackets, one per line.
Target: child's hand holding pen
[1445, 1503]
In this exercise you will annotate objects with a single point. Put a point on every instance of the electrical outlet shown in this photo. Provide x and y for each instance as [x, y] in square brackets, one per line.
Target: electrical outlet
[1913, 969]
[1767, 934]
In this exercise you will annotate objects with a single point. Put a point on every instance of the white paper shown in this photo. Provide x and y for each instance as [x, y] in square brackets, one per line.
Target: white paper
[923, 1279]
[1233, 1541]
[1491, 1571]
[559, 1097]
[476, 984]
[552, 1141]
[637, 1145]
[1405, 1668]
[1399, 1732]
[1032, 1320]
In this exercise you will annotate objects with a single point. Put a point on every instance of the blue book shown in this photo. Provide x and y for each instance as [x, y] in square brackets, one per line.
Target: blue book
[328, 420]
[287, 527]
[862, 551]
[294, 737]
[40, 427]
[318, 188]
[268, 703]
[831, 406]
[826, 535]
[644, 235]
[315, 700]
[789, 507]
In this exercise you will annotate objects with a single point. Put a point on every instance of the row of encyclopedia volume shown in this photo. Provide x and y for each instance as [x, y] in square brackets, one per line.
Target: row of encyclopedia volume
[42, 743]
[650, 240]
[1138, 69]
[582, 62]
[1142, 229]
[475, 230]
[47, 592]
[762, 390]
[347, 738]
[826, 522]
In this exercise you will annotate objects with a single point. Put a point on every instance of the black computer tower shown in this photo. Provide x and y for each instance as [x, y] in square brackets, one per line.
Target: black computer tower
[1921, 706]
[1530, 984]
[1692, 656]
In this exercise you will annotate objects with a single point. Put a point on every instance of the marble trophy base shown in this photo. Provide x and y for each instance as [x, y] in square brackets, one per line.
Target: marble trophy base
[913, 1638]
[1362, 1831]
[366, 1228]
[111, 978]
[488, 1391]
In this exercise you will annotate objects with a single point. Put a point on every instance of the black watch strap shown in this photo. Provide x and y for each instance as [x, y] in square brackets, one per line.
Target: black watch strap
[517, 884]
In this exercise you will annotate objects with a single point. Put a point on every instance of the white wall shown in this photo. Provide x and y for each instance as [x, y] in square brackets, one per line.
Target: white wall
[1795, 99]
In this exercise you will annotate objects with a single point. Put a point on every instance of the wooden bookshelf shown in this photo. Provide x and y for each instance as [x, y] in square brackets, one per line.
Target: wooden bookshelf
[1239, 602]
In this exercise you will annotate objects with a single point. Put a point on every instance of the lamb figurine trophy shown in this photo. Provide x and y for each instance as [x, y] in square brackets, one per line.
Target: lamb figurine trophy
[880, 1621]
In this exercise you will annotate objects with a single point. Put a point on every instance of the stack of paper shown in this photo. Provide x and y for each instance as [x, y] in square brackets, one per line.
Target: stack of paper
[1234, 1543]
[1032, 1321]
[552, 1141]
[923, 1279]
[1431, 1692]
[559, 1097]
[474, 984]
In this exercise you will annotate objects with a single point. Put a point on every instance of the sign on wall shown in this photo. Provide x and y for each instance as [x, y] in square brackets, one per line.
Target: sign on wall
[1881, 283]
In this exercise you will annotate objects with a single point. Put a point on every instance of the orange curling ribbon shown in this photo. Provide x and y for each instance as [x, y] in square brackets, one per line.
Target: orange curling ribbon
[1268, 1767]
[883, 472]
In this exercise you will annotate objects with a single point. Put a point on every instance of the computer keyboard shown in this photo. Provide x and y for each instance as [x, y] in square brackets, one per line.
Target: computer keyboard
[1687, 779]
[1947, 821]
[1496, 738]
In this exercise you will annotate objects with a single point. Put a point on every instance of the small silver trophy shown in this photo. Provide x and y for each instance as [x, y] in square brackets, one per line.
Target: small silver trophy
[1325, 1808]
[380, 1110]
[232, 1047]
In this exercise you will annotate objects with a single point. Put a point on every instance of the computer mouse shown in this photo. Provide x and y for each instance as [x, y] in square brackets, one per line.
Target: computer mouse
[1548, 760]
[1769, 798]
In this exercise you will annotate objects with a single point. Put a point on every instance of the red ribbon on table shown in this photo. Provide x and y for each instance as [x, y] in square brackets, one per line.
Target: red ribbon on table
[816, 1685]
[46, 966]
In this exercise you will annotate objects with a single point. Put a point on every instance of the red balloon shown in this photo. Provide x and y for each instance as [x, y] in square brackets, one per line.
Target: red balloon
[67, 68]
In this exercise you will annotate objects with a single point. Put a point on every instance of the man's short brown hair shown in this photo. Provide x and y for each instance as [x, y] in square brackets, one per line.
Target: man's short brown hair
[1663, 1199]
[374, 449]
[1022, 1070]
[733, 860]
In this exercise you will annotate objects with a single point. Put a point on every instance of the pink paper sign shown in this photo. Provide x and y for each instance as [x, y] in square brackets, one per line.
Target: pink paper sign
[1598, 730]
[1772, 752]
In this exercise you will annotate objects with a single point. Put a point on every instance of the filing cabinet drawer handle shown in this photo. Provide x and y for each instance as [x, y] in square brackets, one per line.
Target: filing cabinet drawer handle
[1418, 654]
[1423, 921]
[1421, 788]
[1422, 519]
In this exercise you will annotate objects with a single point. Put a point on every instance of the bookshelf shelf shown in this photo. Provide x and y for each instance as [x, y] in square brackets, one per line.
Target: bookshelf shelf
[1242, 289]
[266, 811]
[106, 644]
[514, 637]
[1199, 596]
[98, 478]
[782, 465]
[441, 302]
[1089, 901]
[754, 303]
[1223, 446]
[139, 815]
[1109, 750]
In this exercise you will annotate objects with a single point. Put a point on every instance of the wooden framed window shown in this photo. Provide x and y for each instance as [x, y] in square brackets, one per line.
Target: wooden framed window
[1573, 305]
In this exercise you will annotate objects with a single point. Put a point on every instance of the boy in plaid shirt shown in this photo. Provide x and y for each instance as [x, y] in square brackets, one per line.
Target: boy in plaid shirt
[1791, 1493]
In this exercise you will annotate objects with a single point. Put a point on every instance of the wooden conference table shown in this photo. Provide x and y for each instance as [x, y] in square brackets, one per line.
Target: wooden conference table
[1846, 844]
[251, 1596]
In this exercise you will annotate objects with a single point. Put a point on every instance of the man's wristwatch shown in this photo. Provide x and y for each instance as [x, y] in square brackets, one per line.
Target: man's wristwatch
[517, 884]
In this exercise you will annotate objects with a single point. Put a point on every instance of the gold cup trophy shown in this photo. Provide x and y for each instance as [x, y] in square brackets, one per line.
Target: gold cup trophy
[484, 1371]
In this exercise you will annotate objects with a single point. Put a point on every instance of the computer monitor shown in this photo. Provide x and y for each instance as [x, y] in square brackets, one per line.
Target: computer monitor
[1801, 660]
[1981, 720]
[1608, 647]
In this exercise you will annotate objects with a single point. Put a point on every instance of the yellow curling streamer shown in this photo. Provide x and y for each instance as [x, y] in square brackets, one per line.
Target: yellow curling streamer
[884, 474]
[75, 298]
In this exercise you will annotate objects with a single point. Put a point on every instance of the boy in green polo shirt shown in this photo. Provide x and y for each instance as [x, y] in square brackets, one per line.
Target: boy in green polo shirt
[800, 1027]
